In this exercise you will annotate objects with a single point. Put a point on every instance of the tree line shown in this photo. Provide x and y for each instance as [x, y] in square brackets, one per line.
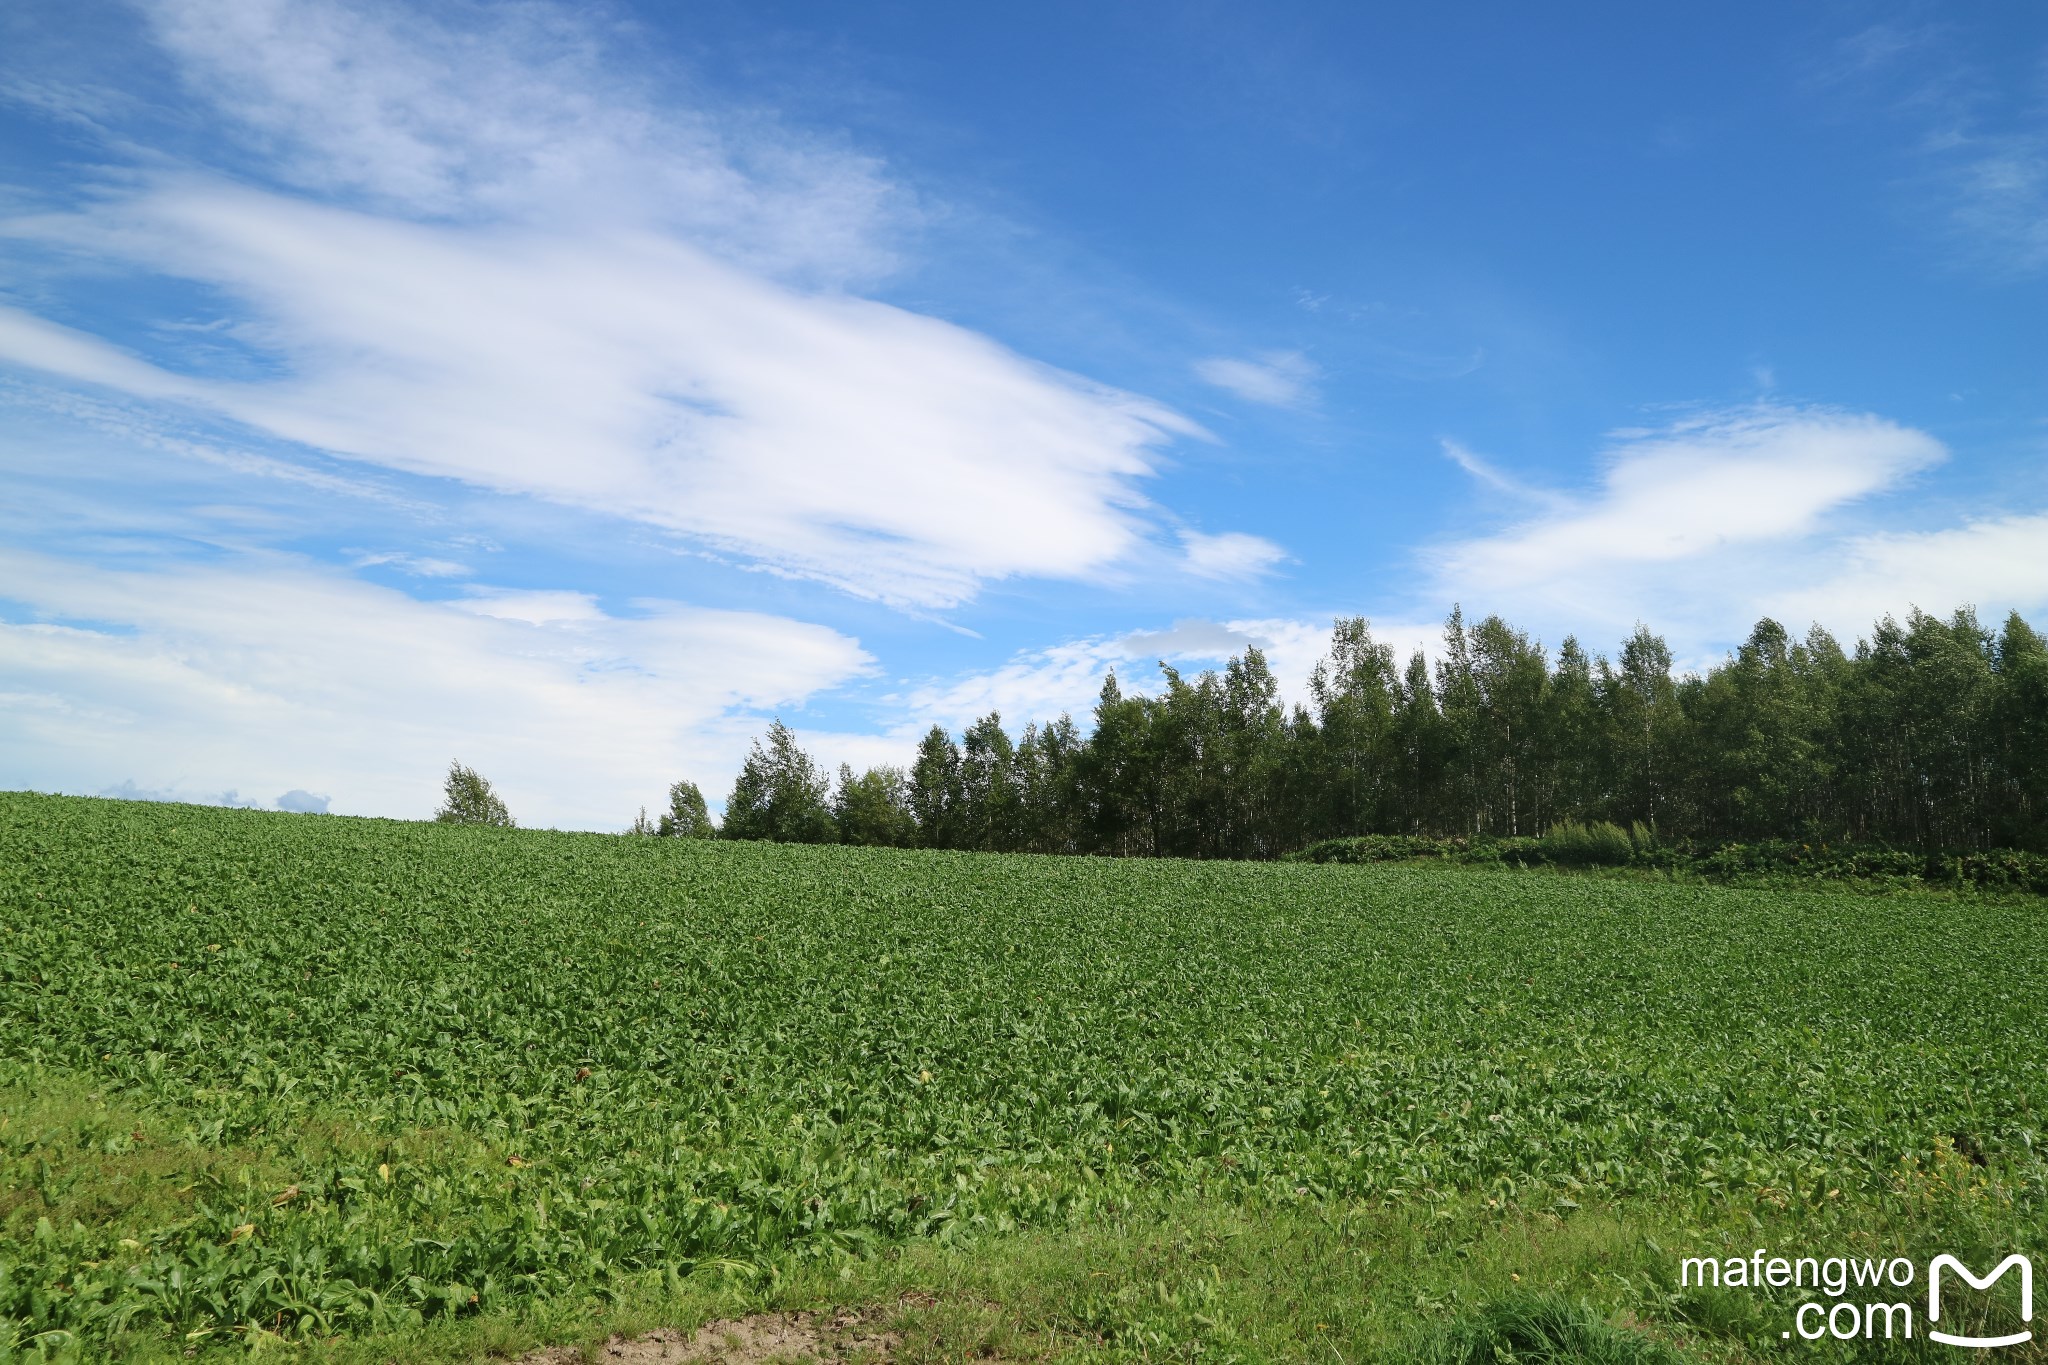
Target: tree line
[1930, 734]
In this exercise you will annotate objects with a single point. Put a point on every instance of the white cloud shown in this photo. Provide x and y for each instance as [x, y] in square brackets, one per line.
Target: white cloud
[1036, 684]
[1701, 528]
[1997, 564]
[1192, 638]
[528, 112]
[420, 566]
[1041, 684]
[2001, 199]
[1486, 472]
[41, 345]
[493, 255]
[1281, 379]
[521, 271]
[891, 454]
[543, 607]
[265, 673]
[126, 790]
[1981, 140]
[1231, 556]
[1673, 498]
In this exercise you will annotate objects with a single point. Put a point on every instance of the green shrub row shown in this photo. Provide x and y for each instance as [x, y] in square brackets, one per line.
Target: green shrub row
[1606, 845]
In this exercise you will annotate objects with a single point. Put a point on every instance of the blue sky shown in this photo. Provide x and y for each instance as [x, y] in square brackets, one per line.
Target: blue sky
[569, 389]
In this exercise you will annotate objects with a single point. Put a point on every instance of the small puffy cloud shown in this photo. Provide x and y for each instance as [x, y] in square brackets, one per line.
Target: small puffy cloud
[302, 802]
[1187, 639]
[1232, 556]
[1280, 379]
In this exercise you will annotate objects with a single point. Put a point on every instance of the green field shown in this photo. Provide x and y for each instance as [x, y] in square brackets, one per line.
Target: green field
[358, 1082]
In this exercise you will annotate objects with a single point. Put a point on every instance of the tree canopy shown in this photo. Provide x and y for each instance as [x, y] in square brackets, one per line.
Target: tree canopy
[687, 817]
[467, 799]
[1931, 734]
[781, 793]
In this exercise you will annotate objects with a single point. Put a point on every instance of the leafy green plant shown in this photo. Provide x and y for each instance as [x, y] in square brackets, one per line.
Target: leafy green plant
[1538, 1330]
[1600, 844]
[263, 1074]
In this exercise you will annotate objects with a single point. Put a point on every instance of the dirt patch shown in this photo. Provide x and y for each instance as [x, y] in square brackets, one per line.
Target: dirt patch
[758, 1339]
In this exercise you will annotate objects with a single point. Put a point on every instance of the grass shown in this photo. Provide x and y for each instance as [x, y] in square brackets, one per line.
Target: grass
[385, 1090]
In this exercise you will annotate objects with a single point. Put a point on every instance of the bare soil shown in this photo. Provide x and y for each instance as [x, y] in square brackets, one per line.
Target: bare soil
[758, 1339]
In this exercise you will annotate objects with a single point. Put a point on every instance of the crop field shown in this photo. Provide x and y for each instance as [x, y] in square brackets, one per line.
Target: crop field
[316, 1078]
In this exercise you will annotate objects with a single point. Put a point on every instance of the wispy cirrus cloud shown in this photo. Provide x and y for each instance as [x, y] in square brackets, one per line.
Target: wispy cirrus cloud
[488, 248]
[1708, 523]
[1279, 379]
[485, 254]
[2001, 199]
[1500, 481]
[420, 566]
[893, 455]
[1980, 150]
[1714, 481]
[530, 112]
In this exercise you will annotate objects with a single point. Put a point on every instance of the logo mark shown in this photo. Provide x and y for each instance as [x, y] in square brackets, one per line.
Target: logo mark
[1934, 1270]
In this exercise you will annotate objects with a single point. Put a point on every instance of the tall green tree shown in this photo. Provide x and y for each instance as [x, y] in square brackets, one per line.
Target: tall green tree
[991, 796]
[1253, 736]
[467, 799]
[1425, 750]
[1922, 718]
[1569, 749]
[781, 794]
[935, 792]
[1120, 776]
[1933, 733]
[1645, 726]
[874, 808]
[1763, 721]
[687, 817]
[1047, 766]
[1353, 688]
[2020, 734]
[1510, 680]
